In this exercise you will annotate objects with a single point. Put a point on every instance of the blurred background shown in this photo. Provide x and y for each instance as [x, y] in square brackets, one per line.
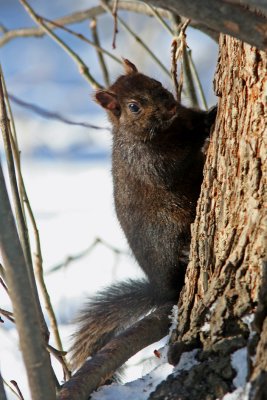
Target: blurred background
[66, 167]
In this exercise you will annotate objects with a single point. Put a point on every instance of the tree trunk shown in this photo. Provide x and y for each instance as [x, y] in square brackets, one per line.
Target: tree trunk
[226, 279]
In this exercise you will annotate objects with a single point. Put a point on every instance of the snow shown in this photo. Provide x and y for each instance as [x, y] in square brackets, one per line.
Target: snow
[187, 361]
[240, 364]
[238, 394]
[139, 389]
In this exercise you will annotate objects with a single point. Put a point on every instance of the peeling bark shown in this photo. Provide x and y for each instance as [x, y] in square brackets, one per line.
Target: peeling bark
[225, 277]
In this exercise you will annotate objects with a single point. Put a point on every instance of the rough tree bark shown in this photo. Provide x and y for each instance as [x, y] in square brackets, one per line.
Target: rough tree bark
[227, 275]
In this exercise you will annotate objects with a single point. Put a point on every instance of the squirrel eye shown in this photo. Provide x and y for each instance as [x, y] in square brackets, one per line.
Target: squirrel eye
[133, 107]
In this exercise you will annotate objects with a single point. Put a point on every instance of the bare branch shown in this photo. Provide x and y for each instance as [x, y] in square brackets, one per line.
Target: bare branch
[83, 68]
[11, 140]
[26, 314]
[3, 284]
[60, 357]
[99, 368]
[22, 226]
[85, 39]
[38, 262]
[7, 314]
[147, 49]
[73, 18]
[84, 253]
[52, 115]
[223, 16]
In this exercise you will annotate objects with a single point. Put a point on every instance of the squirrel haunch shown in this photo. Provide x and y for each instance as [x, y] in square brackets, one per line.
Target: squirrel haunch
[157, 166]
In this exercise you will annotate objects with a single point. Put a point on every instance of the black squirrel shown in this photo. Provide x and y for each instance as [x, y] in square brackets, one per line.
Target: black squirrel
[157, 169]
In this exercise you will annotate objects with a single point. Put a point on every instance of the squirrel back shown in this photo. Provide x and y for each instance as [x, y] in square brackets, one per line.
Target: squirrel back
[157, 166]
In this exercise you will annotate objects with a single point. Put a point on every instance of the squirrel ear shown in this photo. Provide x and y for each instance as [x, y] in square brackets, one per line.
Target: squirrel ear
[107, 100]
[129, 67]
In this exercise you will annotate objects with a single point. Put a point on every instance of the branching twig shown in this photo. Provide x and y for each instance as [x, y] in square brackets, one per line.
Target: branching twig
[136, 37]
[10, 138]
[7, 314]
[21, 291]
[76, 17]
[83, 38]
[84, 253]
[60, 356]
[38, 254]
[100, 56]
[94, 12]
[83, 68]
[52, 115]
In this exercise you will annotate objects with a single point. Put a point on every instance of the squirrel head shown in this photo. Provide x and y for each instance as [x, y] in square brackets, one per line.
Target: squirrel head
[137, 105]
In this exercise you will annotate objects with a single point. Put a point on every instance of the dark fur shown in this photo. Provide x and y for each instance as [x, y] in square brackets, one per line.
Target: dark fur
[157, 173]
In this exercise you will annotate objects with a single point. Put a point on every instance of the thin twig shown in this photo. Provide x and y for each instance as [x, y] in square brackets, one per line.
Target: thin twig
[7, 314]
[10, 388]
[10, 140]
[100, 56]
[84, 253]
[80, 16]
[189, 81]
[197, 80]
[60, 357]
[115, 16]
[38, 255]
[38, 261]
[83, 68]
[23, 231]
[83, 38]
[52, 115]
[2, 272]
[16, 386]
[94, 12]
[105, 5]
[3, 284]
[24, 303]
[14, 134]
[158, 16]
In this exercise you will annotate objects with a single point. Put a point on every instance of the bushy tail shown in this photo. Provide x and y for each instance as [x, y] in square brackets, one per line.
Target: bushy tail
[108, 313]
